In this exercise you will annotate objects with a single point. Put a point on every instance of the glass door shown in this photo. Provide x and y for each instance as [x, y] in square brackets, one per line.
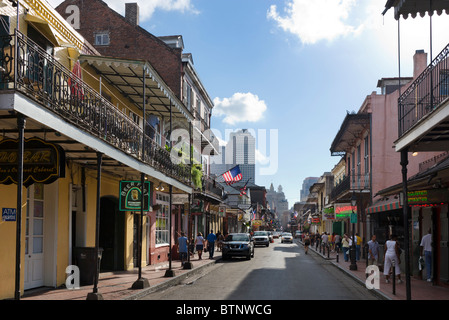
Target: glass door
[34, 237]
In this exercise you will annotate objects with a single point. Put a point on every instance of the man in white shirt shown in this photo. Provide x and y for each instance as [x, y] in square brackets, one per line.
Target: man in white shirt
[426, 246]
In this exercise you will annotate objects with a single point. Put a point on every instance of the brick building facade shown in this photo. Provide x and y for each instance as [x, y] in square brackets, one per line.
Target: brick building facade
[117, 36]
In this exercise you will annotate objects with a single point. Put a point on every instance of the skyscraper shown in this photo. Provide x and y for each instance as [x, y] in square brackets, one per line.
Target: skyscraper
[240, 150]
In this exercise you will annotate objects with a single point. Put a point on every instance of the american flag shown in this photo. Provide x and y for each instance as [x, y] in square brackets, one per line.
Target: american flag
[232, 175]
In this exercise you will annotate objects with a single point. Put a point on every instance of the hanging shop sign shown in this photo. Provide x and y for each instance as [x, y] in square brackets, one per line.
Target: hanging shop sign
[426, 197]
[197, 207]
[43, 162]
[180, 198]
[222, 211]
[344, 211]
[131, 196]
[329, 213]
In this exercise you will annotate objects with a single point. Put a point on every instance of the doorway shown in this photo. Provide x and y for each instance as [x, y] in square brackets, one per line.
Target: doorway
[112, 235]
[40, 235]
[34, 237]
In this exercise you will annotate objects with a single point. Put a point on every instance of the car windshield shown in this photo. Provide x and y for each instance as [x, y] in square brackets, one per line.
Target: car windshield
[286, 234]
[237, 237]
[260, 233]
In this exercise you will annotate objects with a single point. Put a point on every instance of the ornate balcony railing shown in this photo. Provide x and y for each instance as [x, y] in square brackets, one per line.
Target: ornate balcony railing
[426, 93]
[37, 74]
[357, 182]
[212, 187]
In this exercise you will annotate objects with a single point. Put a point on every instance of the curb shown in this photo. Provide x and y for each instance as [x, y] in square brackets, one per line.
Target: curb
[171, 282]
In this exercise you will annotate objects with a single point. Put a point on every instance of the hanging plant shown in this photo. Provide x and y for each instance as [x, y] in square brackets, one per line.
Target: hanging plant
[197, 175]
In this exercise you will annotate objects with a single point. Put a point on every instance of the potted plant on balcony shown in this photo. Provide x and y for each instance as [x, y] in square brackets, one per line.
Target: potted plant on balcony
[197, 175]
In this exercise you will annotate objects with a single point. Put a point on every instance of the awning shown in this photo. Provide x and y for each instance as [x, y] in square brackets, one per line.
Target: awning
[43, 28]
[385, 204]
[415, 7]
[127, 76]
[352, 126]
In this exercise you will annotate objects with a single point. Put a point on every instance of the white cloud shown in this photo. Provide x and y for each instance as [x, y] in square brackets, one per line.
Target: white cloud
[313, 21]
[261, 158]
[147, 7]
[241, 107]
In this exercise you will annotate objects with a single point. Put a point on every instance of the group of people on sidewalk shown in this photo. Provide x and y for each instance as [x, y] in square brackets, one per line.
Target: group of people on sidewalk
[200, 244]
[392, 252]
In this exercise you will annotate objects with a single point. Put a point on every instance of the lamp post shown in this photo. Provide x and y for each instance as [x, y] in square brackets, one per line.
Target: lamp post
[352, 256]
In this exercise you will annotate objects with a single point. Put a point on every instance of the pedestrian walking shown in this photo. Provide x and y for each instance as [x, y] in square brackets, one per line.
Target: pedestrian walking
[324, 239]
[392, 254]
[373, 251]
[345, 245]
[358, 245]
[337, 242]
[182, 243]
[220, 239]
[426, 246]
[306, 243]
[199, 244]
[211, 237]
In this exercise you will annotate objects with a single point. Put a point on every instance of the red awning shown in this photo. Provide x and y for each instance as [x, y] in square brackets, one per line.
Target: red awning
[385, 204]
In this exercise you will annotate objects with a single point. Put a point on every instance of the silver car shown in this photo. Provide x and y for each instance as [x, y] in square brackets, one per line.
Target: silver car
[261, 238]
[286, 237]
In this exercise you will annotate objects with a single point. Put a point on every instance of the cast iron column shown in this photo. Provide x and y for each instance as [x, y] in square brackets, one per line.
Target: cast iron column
[405, 208]
[95, 295]
[20, 150]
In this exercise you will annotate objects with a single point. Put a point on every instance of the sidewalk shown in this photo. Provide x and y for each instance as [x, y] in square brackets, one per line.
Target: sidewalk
[420, 289]
[117, 285]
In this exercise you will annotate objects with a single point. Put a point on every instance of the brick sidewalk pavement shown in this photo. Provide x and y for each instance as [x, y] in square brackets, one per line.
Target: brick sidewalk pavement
[420, 289]
[117, 285]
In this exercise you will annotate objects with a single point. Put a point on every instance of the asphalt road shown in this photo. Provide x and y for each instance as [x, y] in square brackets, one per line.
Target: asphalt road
[278, 272]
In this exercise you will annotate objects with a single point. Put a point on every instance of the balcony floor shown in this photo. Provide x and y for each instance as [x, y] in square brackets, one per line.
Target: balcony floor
[79, 146]
[430, 133]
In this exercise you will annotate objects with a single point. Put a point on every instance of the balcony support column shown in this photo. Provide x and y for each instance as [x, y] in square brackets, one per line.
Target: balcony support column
[142, 283]
[95, 295]
[404, 163]
[21, 146]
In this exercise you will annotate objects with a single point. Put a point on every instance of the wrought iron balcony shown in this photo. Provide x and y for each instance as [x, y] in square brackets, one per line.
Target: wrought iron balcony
[425, 94]
[37, 74]
[211, 187]
[357, 182]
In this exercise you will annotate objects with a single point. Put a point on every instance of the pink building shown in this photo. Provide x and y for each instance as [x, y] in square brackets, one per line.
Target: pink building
[366, 140]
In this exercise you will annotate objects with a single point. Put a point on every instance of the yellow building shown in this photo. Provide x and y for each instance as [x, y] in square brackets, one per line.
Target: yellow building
[77, 129]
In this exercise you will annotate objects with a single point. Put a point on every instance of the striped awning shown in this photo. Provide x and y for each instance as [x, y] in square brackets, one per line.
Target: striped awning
[385, 204]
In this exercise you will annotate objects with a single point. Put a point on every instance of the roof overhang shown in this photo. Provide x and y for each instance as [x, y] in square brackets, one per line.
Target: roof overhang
[128, 76]
[352, 127]
[415, 7]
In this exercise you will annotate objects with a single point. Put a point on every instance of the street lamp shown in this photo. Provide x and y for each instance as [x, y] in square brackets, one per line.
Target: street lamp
[352, 255]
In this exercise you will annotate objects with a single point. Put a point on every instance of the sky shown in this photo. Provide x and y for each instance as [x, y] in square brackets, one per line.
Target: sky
[290, 70]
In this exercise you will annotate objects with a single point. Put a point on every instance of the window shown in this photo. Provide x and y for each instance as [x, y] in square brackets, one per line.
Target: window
[162, 223]
[102, 39]
[366, 162]
[188, 96]
[444, 82]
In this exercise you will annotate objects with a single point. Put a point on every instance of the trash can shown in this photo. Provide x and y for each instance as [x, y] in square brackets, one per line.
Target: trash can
[86, 262]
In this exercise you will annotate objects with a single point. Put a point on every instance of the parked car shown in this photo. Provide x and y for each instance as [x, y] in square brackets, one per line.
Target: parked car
[298, 234]
[286, 237]
[270, 236]
[261, 238]
[276, 235]
[238, 244]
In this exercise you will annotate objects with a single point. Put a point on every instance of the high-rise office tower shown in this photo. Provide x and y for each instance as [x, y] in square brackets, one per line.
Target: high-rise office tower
[240, 150]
